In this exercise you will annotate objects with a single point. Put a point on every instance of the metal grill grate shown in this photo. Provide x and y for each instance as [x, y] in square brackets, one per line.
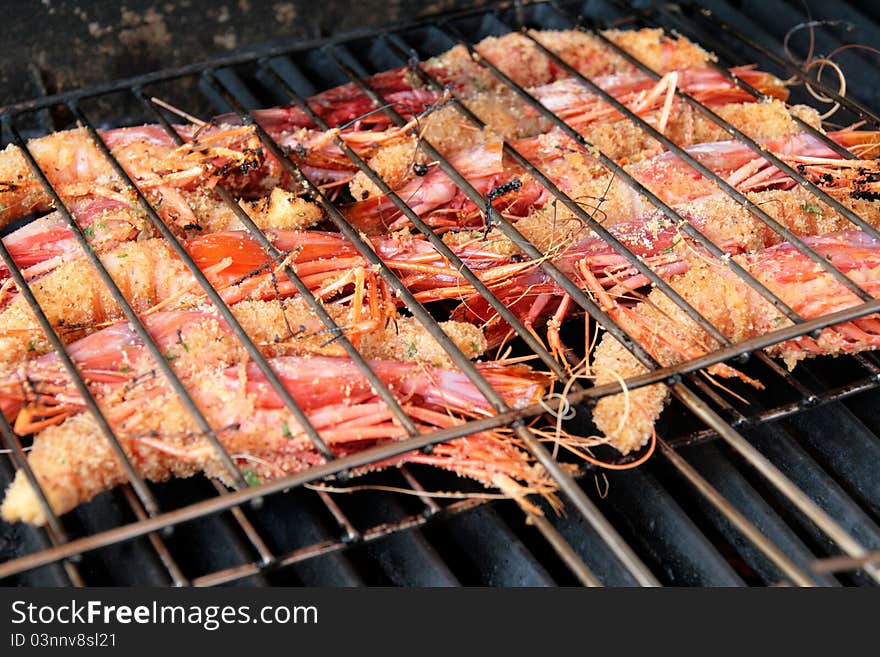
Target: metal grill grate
[754, 515]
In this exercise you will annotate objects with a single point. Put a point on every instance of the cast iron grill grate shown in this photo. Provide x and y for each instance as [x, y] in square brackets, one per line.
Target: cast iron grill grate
[739, 493]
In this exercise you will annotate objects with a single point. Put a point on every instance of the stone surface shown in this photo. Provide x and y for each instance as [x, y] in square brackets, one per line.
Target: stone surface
[52, 45]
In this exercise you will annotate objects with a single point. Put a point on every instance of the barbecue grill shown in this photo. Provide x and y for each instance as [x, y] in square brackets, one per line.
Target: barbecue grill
[779, 488]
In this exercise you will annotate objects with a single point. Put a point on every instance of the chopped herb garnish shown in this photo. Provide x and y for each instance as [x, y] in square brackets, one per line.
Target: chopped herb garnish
[124, 369]
[812, 209]
[185, 346]
[102, 225]
[31, 346]
[89, 232]
[285, 431]
[251, 478]
[170, 357]
[123, 255]
[668, 249]
[475, 347]
[412, 349]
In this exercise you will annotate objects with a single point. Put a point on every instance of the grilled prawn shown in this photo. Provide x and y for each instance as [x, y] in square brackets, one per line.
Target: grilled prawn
[73, 463]
[740, 313]
[149, 273]
[39, 392]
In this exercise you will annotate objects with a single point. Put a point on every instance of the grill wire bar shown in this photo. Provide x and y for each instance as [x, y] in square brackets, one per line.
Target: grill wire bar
[567, 485]
[544, 527]
[746, 450]
[696, 405]
[150, 519]
[796, 574]
[458, 357]
[383, 391]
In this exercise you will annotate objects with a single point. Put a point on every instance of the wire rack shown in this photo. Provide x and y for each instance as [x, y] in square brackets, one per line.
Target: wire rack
[352, 59]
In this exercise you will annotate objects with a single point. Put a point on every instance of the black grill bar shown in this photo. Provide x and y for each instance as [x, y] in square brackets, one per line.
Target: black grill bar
[165, 556]
[781, 482]
[745, 527]
[431, 507]
[566, 483]
[854, 106]
[821, 518]
[247, 528]
[564, 550]
[329, 547]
